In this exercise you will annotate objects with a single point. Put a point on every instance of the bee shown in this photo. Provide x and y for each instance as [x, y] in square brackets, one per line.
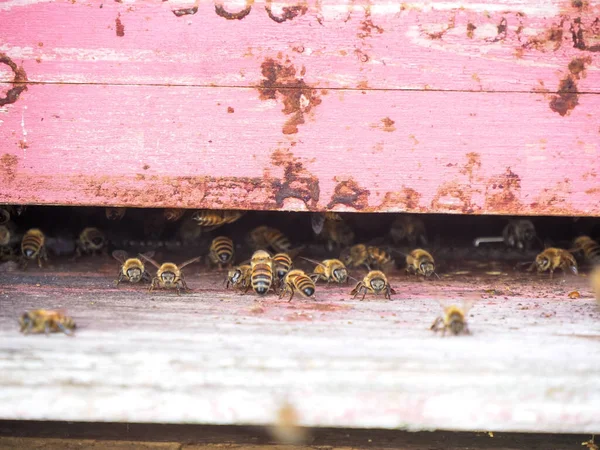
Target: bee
[420, 262]
[519, 234]
[317, 220]
[33, 246]
[46, 321]
[552, 259]
[15, 210]
[5, 235]
[297, 281]
[375, 282]
[408, 228]
[4, 216]
[338, 234]
[355, 256]
[169, 275]
[330, 270]
[589, 247]
[91, 240]
[240, 277]
[115, 213]
[132, 269]
[212, 219]
[267, 237]
[595, 280]
[378, 257]
[221, 251]
[282, 264]
[173, 214]
[261, 276]
[286, 429]
[453, 320]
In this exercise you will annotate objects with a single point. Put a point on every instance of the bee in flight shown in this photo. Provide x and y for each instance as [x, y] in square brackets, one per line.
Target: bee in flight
[169, 275]
[46, 321]
[453, 320]
[297, 281]
[552, 259]
[213, 219]
[374, 282]
[132, 269]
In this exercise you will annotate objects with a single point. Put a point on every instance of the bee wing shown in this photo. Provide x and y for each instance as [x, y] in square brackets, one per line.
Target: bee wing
[120, 255]
[149, 259]
[150, 253]
[190, 261]
[317, 221]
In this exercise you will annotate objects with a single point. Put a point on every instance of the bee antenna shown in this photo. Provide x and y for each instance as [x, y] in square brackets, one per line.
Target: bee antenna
[437, 275]
[393, 250]
[351, 277]
[312, 261]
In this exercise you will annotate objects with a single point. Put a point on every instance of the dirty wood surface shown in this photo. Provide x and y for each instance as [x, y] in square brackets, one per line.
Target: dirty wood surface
[470, 107]
[215, 357]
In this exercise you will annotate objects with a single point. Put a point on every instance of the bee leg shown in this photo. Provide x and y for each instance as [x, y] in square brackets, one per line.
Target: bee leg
[64, 330]
[436, 324]
[47, 329]
[365, 290]
[466, 329]
[119, 279]
[291, 296]
[153, 284]
[551, 274]
[184, 284]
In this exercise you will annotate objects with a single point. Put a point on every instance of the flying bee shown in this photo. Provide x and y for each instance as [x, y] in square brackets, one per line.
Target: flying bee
[267, 237]
[91, 240]
[4, 216]
[46, 321]
[286, 429]
[221, 251]
[408, 228]
[297, 281]
[240, 277]
[169, 275]
[173, 214]
[261, 276]
[282, 264]
[317, 220]
[589, 247]
[338, 234]
[552, 259]
[115, 213]
[453, 320]
[374, 282]
[132, 269]
[33, 246]
[330, 270]
[420, 262]
[519, 234]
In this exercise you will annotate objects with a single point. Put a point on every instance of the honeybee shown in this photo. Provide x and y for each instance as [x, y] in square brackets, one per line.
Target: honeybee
[282, 264]
[420, 262]
[115, 213]
[221, 251]
[378, 257]
[330, 270]
[267, 237]
[212, 219]
[4, 216]
[595, 281]
[338, 234]
[240, 277]
[33, 246]
[317, 220]
[376, 283]
[370, 256]
[173, 214]
[453, 320]
[46, 321]
[169, 275]
[286, 429]
[297, 281]
[589, 247]
[552, 259]
[519, 234]
[91, 240]
[132, 269]
[261, 272]
[408, 228]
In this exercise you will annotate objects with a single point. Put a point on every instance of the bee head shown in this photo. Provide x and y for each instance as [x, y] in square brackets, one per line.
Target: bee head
[25, 320]
[378, 284]
[456, 325]
[340, 274]
[168, 278]
[134, 274]
[427, 268]
[543, 263]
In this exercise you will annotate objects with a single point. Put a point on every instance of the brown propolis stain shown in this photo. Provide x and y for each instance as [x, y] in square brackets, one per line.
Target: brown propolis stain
[453, 196]
[471, 30]
[222, 12]
[19, 83]
[567, 98]
[473, 163]
[297, 182]
[230, 110]
[8, 164]
[548, 40]
[348, 192]
[287, 12]
[406, 199]
[298, 98]
[502, 193]
[120, 28]
[367, 27]
[388, 124]
[577, 66]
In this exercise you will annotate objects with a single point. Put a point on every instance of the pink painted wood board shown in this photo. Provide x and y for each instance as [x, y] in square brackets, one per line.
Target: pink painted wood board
[368, 107]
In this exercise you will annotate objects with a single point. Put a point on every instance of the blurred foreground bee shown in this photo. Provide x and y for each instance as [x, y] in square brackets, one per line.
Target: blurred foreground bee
[552, 259]
[286, 429]
[374, 282]
[317, 220]
[115, 213]
[589, 247]
[212, 219]
[261, 272]
[221, 251]
[240, 277]
[33, 246]
[297, 281]
[173, 214]
[4, 216]
[408, 228]
[453, 320]
[46, 321]
[169, 275]
[420, 262]
[330, 270]
[282, 264]
[132, 269]
[91, 240]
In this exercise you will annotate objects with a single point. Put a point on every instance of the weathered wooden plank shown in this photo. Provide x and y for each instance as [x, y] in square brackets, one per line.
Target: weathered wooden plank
[490, 45]
[220, 358]
[192, 147]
